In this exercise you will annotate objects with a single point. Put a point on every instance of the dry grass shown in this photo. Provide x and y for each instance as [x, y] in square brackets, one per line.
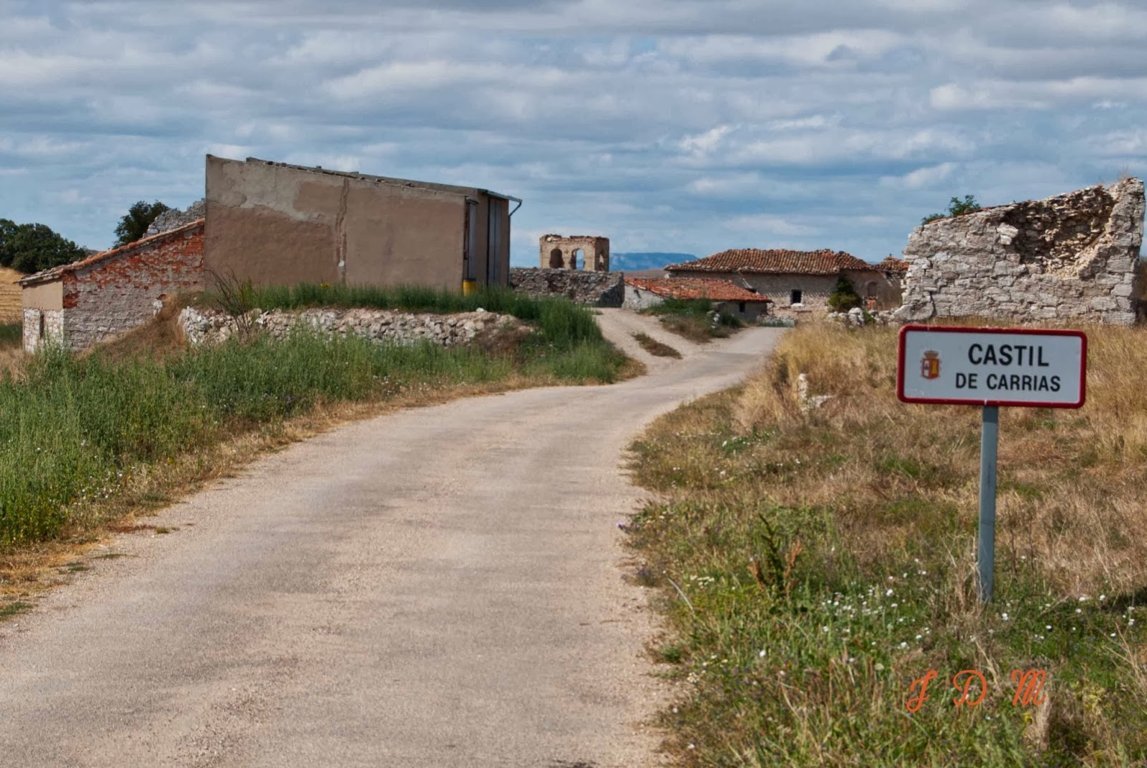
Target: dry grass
[828, 557]
[655, 347]
[1069, 480]
[11, 309]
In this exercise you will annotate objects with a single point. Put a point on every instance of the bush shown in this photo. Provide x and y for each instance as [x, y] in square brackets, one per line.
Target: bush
[844, 296]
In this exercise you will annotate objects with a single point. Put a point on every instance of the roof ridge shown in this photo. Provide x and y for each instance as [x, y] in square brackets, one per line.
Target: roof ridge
[61, 269]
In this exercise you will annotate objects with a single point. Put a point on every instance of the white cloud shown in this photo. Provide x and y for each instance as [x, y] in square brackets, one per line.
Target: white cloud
[663, 124]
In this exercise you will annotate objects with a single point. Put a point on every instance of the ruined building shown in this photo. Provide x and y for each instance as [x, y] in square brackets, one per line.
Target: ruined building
[557, 252]
[1072, 256]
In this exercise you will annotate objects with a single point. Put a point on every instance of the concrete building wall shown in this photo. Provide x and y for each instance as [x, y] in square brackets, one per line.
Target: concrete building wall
[277, 224]
[82, 304]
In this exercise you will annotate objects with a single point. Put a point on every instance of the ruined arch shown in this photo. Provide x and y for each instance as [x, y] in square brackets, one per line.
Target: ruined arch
[558, 252]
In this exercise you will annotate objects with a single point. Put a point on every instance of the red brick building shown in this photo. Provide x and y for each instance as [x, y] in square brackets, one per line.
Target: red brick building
[92, 300]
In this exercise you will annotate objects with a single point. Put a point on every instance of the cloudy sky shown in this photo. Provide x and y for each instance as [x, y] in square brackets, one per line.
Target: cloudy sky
[666, 125]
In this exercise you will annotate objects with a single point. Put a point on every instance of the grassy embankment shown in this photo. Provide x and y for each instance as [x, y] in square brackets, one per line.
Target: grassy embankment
[693, 319]
[816, 563]
[83, 436]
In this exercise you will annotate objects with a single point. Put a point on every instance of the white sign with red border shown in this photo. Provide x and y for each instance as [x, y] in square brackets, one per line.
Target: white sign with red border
[992, 366]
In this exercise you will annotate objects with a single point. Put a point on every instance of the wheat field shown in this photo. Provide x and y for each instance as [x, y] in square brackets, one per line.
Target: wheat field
[10, 295]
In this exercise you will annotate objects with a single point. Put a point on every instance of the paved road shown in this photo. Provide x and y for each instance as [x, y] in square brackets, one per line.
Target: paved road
[435, 587]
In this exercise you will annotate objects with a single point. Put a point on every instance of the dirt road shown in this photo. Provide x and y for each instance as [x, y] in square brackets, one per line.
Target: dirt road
[435, 587]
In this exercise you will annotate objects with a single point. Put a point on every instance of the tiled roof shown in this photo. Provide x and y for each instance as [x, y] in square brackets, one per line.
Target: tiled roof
[48, 275]
[893, 264]
[695, 288]
[782, 262]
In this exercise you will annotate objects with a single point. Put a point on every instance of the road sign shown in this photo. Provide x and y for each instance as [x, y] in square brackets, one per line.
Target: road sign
[992, 366]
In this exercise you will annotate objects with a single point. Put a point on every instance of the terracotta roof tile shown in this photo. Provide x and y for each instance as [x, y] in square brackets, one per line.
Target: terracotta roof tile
[893, 264]
[48, 275]
[777, 261]
[695, 288]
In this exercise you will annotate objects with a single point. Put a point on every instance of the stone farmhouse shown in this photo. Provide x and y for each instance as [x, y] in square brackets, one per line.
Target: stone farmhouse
[278, 224]
[798, 281]
[725, 297]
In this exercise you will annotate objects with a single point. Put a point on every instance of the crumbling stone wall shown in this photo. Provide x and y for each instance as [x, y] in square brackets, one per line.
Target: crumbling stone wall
[380, 325]
[597, 289]
[1072, 256]
[558, 252]
[175, 218]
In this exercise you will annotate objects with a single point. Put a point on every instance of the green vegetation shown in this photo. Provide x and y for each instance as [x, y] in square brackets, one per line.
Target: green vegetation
[561, 324]
[74, 430]
[34, 247]
[11, 335]
[844, 296]
[956, 207]
[816, 563]
[694, 319]
[135, 222]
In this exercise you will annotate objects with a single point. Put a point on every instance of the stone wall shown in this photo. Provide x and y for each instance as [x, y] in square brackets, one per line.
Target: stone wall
[42, 326]
[560, 252]
[597, 289]
[1073, 256]
[211, 326]
[126, 290]
[175, 218]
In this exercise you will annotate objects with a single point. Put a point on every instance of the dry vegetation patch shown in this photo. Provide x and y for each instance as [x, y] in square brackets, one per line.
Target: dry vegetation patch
[823, 559]
[11, 308]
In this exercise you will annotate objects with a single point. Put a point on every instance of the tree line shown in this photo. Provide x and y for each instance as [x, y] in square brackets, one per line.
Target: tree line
[35, 247]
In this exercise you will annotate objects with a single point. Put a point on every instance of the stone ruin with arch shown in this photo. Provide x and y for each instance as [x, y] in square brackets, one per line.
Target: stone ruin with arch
[586, 252]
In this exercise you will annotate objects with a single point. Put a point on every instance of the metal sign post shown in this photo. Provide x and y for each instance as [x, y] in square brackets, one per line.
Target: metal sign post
[986, 547]
[990, 367]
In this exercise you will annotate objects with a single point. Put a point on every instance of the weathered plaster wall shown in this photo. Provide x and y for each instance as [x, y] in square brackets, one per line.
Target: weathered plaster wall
[598, 289]
[1072, 256]
[277, 224]
[558, 252]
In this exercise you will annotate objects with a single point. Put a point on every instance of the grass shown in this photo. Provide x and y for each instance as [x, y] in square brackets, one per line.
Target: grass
[655, 347]
[75, 431]
[694, 319]
[816, 564]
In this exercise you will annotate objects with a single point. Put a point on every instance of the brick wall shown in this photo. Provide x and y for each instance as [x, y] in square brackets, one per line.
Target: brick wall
[115, 291]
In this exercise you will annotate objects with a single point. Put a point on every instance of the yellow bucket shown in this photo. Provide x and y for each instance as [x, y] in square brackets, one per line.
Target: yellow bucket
[469, 287]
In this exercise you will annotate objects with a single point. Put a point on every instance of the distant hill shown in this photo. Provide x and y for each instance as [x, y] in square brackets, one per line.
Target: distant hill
[623, 262]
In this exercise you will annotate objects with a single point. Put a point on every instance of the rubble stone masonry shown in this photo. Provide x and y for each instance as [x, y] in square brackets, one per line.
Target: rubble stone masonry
[597, 289]
[1070, 257]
